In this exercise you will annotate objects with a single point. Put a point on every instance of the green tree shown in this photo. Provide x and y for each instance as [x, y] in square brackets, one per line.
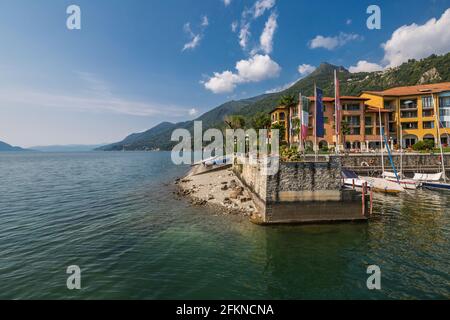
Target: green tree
[235, 122]
[261, 120]
[287, 100]
[280, 127]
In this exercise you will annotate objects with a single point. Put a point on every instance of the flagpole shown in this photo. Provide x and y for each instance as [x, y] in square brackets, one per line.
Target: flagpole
[300, 118]
[315, 121]
[336, 116]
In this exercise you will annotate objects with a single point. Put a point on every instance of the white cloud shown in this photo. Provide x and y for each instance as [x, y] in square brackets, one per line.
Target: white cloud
[226, 2]
[257, 68]
[305, 69]
[193, 43]
[266, 39]
[244, 35]
[348, 22]
[195, 38]
[222, 82]
[234, 26]
[418, 41]
[26, 97]
[193, 112]
[261, 6]
[365, 66]
[331, 43]
[96, 96]
[254, 69]
[205, 21]
[283, 87]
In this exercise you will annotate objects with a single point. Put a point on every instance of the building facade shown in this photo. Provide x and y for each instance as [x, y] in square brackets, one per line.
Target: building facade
[408, 114]
[416, 112]
[360, 124]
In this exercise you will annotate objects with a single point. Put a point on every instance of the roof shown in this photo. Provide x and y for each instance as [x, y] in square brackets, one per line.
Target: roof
[413, 90]
[343, 98]
[376, 110]
[278, 108]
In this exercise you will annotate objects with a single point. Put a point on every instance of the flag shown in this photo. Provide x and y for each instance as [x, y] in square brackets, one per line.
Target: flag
[320, 129]
[337, 106]
[304, 115]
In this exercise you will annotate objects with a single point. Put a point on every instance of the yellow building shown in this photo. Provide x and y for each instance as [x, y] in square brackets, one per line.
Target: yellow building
[280, 115]
[414, 112]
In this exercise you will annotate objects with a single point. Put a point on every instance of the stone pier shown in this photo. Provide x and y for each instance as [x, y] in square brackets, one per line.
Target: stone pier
[302, 192]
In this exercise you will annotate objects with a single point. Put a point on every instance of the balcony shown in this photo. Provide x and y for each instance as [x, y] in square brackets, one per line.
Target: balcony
[408, 105]
[410, 126]
[409, 114]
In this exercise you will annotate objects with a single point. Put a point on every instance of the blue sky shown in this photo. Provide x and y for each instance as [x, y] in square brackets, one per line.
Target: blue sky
[136, 63]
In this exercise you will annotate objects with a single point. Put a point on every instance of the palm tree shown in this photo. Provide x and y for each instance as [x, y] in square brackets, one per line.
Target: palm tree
[235, 121]
[287, 100]
[261, 120]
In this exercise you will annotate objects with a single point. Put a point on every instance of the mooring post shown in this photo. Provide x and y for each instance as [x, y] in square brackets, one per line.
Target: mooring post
[371, 201]
[363, 197]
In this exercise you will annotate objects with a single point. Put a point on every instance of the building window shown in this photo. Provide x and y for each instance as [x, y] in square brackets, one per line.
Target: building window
[409, 125]
[427, 102]
[353, 120]
[428, 113]
[391, 117]
[444, 102]
[446, 124]
[351, 107]
[409, 114]
[428, 125]
[282, 116]
[444, 112]
[369, 131]
[408, 104]
[355, 131]
[368, 121]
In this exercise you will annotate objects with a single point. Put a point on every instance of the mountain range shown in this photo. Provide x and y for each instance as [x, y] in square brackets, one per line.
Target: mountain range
[7, 147]
[66, 148]
[429, 70]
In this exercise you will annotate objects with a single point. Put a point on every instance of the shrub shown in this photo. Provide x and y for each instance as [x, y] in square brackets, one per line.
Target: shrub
[425, 145]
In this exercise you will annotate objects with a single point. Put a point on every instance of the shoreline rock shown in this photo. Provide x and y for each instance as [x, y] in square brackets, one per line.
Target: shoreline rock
[218, 189]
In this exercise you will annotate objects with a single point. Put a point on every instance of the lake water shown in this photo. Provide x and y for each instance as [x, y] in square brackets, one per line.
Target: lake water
[115, 216]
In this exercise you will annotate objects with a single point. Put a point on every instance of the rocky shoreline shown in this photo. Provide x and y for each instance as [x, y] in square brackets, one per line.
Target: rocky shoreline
[219, 189]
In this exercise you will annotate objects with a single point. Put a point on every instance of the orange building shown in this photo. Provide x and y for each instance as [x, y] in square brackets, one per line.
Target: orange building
[360, 121]
[417, 112]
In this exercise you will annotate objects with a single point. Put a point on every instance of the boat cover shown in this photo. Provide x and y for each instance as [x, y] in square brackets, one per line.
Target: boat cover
[427, 177]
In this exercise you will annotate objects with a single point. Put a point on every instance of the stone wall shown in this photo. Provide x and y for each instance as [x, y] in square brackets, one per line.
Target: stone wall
[409, 160]
[302, 181]
[301, 192]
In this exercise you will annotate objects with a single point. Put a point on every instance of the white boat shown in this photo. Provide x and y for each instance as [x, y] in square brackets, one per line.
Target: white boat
[214, 161]
[437, 181]
[352, 181]
[384, 186]
[408, 184]
[433, 181]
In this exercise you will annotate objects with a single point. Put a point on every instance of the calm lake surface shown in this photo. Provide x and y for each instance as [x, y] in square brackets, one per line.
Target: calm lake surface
[115, 216]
